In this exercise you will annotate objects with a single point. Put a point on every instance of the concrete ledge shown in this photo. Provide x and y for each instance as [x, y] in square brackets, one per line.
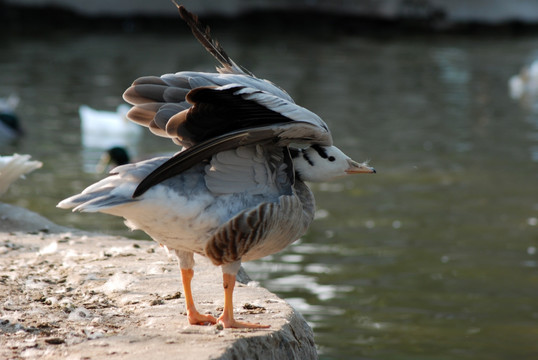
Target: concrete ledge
[75, 295]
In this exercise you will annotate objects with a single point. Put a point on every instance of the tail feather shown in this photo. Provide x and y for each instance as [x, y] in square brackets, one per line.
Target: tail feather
[101, 203]
[94, 201]
[114, 190]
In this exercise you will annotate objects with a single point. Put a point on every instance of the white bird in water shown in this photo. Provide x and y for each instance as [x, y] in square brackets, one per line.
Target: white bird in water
[236, 192]
[104, 129]
[524, 85]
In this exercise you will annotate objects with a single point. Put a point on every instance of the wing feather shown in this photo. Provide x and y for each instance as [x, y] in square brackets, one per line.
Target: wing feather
[252, 169]
[157, 100]
[226, 109]
[203, 34]
[277, 134]
[208, 113]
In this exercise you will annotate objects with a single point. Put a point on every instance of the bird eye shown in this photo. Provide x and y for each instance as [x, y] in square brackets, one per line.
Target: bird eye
[331, 158]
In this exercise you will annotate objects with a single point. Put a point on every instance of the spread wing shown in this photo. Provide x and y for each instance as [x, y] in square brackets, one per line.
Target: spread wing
[228, 117]
[208, 113]
[157, 99]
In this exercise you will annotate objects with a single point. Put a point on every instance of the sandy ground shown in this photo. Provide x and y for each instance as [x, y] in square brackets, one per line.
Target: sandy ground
[75, 295]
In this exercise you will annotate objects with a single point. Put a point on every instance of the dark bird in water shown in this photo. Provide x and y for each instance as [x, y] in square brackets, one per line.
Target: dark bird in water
[10, 127]
[115, 156]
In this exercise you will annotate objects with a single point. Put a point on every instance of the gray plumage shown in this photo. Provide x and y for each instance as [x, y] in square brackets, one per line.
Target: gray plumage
[244, 195]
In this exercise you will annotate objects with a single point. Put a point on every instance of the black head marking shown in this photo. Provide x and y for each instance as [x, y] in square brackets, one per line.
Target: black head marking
[322, 152]
[307, 158]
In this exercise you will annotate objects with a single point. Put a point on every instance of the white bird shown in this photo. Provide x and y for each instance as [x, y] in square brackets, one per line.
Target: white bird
[104, 129]
[14, 167]
[237, 191]
[10, 127]
[525, 84]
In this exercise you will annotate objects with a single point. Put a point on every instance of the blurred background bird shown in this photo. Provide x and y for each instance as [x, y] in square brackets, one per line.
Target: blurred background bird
[105, 129]
[15, 167]
[10, 127]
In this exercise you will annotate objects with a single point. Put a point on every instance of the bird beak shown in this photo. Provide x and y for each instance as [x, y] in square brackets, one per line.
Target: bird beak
[358, 168]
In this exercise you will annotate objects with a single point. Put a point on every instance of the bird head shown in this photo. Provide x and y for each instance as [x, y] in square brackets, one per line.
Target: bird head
[321, 163]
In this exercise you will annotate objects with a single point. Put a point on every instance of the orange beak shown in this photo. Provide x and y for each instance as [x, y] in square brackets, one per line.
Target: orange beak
[358, 168]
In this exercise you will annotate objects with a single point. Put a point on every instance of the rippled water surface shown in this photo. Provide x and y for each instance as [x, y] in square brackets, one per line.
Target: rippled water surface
[435, 257]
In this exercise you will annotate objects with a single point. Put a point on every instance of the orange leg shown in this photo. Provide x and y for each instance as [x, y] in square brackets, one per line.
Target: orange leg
[195, 318]
[227, 317]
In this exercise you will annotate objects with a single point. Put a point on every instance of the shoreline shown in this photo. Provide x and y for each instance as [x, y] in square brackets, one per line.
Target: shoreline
[71, 294]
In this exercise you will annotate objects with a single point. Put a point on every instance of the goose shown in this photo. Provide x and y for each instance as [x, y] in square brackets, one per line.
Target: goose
[237, 189]
[14, 167]
[10, 127]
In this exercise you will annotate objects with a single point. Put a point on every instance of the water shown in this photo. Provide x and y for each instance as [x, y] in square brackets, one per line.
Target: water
[435, 257]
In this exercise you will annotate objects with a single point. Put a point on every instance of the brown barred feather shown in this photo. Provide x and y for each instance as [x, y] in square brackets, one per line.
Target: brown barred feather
[265, 230]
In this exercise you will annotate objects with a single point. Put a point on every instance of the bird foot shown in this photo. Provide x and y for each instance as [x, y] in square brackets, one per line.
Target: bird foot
[232, 323]
[195, 318]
